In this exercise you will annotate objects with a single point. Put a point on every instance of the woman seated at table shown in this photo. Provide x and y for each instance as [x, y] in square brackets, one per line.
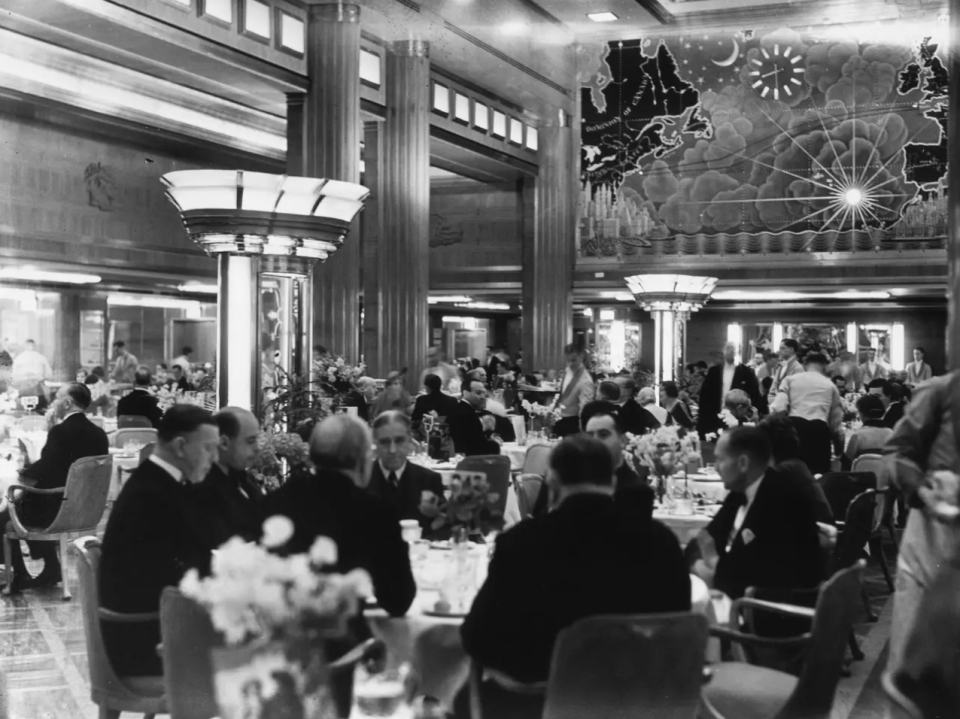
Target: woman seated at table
[872, 436]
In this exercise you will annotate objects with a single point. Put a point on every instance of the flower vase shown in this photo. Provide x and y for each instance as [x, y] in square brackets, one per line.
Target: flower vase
[284, 677]
[683, 497]
[460, 584]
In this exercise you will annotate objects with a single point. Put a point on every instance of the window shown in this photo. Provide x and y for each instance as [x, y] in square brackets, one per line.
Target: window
[516, 131]
[219, 10]
[441, 99]
[256, 18]
[370, 68]
[481, 116]
[499, 124]
[461, 108]
[532, 138]
[291, 33]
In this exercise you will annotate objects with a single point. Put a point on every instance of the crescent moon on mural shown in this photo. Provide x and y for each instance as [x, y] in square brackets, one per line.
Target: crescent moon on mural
[733, 57]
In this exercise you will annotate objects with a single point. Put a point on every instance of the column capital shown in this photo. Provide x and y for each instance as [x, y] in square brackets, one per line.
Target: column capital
[411, 48]
[332, 11]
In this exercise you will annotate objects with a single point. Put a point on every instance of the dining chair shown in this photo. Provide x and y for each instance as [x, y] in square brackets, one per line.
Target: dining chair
[528, 488]
[145, 453]
[95, 420]
[112, 693]
[738, 690]
[497, 469]
[537, 459]
[884, 519]
[84, 500]
[608, 667]
[133, 421]
[130, 434]
[840, 488]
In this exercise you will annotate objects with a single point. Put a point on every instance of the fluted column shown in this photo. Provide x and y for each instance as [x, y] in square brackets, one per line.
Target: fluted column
[371, 230]
[404, 191]
[549, 204]
[331, 140]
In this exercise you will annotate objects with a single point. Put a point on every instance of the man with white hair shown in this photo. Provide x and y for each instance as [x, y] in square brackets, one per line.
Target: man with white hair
[362, 397]
[333, 502]
[720, 381]
[647, 398]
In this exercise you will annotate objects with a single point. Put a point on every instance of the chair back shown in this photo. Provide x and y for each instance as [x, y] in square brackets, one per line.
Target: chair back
[857, 527]
[139, 434]
[187, 636]
[84, 496]
[610, 667]
[103, 679]
[873, 463]
[841, 487]
[32, 423]
[497, 469]
[536, 460]
[528, 488]
[832, 623]
[146, 451]
[133, 421]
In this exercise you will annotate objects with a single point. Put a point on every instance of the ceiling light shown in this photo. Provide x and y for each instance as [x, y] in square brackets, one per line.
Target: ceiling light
[602, 16]
[483, 305]
[588, 312]
[448, 298]
[607, 315]
[200, 289]
[165, 303]
[29, 274]
[853, 196]
[785, 296]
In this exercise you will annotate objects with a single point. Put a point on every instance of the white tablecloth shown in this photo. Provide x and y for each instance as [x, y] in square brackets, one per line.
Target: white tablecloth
[685, 527]
[432, 644]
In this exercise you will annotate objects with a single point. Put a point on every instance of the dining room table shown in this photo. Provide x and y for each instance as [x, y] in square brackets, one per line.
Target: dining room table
[429, 640]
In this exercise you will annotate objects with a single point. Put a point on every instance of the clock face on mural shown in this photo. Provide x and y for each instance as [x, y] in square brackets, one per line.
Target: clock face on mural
[777, 71]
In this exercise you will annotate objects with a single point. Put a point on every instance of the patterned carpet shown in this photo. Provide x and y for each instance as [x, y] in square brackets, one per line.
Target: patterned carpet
[43, 654]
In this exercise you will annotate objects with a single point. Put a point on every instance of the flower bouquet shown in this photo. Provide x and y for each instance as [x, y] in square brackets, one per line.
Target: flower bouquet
[469, 505]
[541, 417]
[665, 452]
[8, 400]
[274, 614]
[280, 455]
[335, 375]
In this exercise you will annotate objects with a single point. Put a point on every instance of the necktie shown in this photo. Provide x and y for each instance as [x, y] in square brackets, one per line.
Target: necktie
[394, 480]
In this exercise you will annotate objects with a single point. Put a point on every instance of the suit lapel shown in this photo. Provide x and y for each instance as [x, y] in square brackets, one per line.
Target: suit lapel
[569, 389]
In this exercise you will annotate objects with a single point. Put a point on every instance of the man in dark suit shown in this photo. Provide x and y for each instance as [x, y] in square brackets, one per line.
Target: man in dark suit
[720, 380]
[158, 529]
[362, 397]
[395, 480]
[433, 401]
[469, 431]
[586, 557]
[765, 534]
[232, 498]
[73, 437]
[140, 402]
[891, 394]
[633, 418]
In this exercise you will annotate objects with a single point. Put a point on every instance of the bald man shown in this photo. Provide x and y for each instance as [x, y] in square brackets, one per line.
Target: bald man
[233, 500]
[363, 398]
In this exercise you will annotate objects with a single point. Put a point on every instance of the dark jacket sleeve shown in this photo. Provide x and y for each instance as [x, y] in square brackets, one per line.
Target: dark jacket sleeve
[490, 618]
[707, 420]
[51, 469]
[753, 390]
[391, 573]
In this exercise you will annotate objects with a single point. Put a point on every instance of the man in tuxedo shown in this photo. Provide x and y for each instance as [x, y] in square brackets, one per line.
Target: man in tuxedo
[631, 488]
[73, 437]
[158, 529]
[765, 534]
[395, 480]
[789, 365]
[469, 431]
[433, 401]
[872, 369]
[575, 391]
[891, 396]
[233, 499]
[720, 380]
[585, 558]
[140, 403]
[335, 502]
[633, 418]
[362, 397]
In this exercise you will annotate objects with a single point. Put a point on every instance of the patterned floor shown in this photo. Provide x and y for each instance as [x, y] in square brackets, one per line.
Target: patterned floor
[43, 655]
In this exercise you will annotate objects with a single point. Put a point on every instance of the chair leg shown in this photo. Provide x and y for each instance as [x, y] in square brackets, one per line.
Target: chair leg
[876, 551]
[108, 713]
[64, 553]
[893, 535]
[8, 562]
[855, 649]
[871, 617]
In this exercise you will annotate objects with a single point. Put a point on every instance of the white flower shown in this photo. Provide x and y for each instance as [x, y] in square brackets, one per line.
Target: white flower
[190, 584]
[323, 552]
[359, 581]
[277, 531]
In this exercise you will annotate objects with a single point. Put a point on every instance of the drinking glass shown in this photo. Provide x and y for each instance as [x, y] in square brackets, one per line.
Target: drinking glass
[381, 694]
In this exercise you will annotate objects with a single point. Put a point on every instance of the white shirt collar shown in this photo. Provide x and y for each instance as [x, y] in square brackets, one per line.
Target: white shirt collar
[398, 472]
[167, 467]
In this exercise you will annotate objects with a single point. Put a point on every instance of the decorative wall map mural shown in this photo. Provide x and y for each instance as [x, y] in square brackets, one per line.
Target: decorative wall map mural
[770, 143]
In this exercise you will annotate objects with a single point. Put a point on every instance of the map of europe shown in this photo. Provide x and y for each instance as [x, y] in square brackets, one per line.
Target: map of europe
[779, 133]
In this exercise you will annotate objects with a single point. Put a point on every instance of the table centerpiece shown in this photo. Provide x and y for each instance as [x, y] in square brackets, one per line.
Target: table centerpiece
[540, 417]
[666, 452]
[275, 614]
